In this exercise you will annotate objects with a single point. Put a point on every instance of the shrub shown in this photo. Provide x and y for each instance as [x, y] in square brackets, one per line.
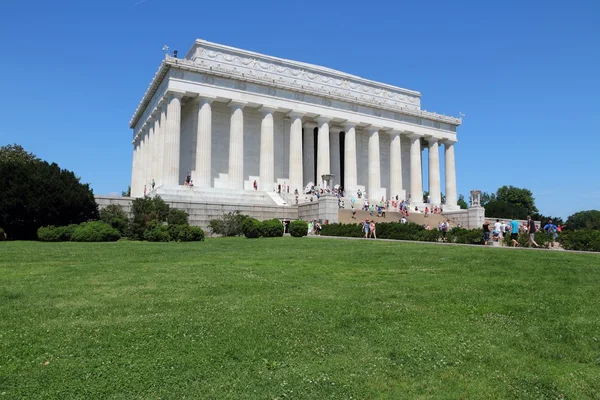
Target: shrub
[271, 228]
[175, 232]
[114, 215]
[583, 240]
[251, 228]
[2, 235]
[433, 235]
[229, 224]
[465, 236]
[145, 210]
[589, 219]
[191, 234]
[56, 233]
[298, 228]
[95, 231]
[157, 232]
[177, 217]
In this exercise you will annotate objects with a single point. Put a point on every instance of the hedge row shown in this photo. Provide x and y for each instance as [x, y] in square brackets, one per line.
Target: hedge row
[98, 231]
[298, 228]
[158, 232]
[253, 228]
[540, 237]
[583, 240]
[410, 231]
[95, 231]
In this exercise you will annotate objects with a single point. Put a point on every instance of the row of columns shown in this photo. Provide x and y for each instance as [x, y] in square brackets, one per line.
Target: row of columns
[156, 154]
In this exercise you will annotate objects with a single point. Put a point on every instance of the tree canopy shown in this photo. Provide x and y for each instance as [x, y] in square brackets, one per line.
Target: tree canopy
[35, 194]
[589, 219]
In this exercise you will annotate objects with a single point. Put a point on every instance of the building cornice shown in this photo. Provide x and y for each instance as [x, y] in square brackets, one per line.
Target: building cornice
[246, 66]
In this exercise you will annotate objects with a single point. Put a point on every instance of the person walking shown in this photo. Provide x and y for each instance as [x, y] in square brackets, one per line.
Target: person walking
[372, 229]
[531, 228]
[486, 232]
[551, 230]
[366, 228]
[514, 232]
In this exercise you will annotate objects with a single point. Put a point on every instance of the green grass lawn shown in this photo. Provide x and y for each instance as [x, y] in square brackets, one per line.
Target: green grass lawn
[296, 318]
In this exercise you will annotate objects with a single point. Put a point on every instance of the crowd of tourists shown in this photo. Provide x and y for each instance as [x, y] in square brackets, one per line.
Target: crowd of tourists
[502, 229]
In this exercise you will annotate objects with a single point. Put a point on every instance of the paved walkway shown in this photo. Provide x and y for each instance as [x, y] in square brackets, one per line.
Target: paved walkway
[559, 249]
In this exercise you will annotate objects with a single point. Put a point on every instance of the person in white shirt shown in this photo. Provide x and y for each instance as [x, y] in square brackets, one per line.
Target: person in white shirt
[497, 229]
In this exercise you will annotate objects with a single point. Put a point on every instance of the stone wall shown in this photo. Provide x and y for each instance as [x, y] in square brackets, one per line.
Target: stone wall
[201, 213]
[471, 218]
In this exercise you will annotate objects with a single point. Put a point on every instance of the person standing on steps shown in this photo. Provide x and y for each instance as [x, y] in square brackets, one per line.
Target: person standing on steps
[532, 229]
[153, 183]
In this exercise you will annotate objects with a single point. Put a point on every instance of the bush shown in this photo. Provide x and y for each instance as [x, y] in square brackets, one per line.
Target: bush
[177, 217]
[146, 210]
[56, 233]
[465, 236]
[271, 228]
[157, 232]
[583, 240]
[589, 219]
[95, 231]
[229, 224]
[2, 235]
[298, 228]
[192, 234]
[251, 228]
[34, 193]
[114, 215]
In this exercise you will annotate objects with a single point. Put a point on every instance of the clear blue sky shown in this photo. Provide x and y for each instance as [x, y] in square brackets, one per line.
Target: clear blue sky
[525, 73]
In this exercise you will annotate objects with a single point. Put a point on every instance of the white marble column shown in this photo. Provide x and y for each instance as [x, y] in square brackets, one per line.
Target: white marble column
[267, 150]
[323, 166]
[202, 175]
[434, 172]
[155, 146]
[334, 154]
[236, 146]
[151, 158]
[374, 183]
[396, 166]
[162, 132]
[416, 182]
[134, 168]
[143, 159]
[296, 167]
[450, 168]
[309, 152]
[350, 173]
[172, 139]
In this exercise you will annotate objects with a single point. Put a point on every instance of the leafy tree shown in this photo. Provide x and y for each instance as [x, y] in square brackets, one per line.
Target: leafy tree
[546, 219]
[35, 193]
[504, 209]
[461, 202]
[522, 198]
[177, 217]
[14, 152]
[589, 219]
[127, 193]
[425, 195]
[486, 198]
[146, 210]
[114, 215]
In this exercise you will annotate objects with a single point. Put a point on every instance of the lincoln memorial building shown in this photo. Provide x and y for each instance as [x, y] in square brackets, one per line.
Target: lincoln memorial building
[230, 117]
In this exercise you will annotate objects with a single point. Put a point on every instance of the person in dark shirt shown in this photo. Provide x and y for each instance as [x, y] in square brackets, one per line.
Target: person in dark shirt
[531, 229]
[486, 232]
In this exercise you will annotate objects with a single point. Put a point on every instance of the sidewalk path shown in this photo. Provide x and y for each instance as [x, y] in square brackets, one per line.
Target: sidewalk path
[554, 250]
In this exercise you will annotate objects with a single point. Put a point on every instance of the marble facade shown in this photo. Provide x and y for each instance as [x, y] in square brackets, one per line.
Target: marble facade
[229, 117]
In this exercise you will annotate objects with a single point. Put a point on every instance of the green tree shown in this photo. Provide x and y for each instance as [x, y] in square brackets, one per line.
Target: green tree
[34, 193]
[461, 202]
[486, 198]
[127, 193]
[114, 215]
[177, 217]
[522, 198]
[146, 210]
[504, 209]
[544, 219]
[589, 219]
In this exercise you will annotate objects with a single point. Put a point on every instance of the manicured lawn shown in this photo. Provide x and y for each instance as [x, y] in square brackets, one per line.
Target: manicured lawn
[296, 318]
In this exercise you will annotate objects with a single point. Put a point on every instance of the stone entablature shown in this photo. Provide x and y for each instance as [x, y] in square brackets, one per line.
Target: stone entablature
[357, 94]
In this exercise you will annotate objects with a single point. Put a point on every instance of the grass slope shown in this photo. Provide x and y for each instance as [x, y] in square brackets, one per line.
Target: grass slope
[296, 318]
